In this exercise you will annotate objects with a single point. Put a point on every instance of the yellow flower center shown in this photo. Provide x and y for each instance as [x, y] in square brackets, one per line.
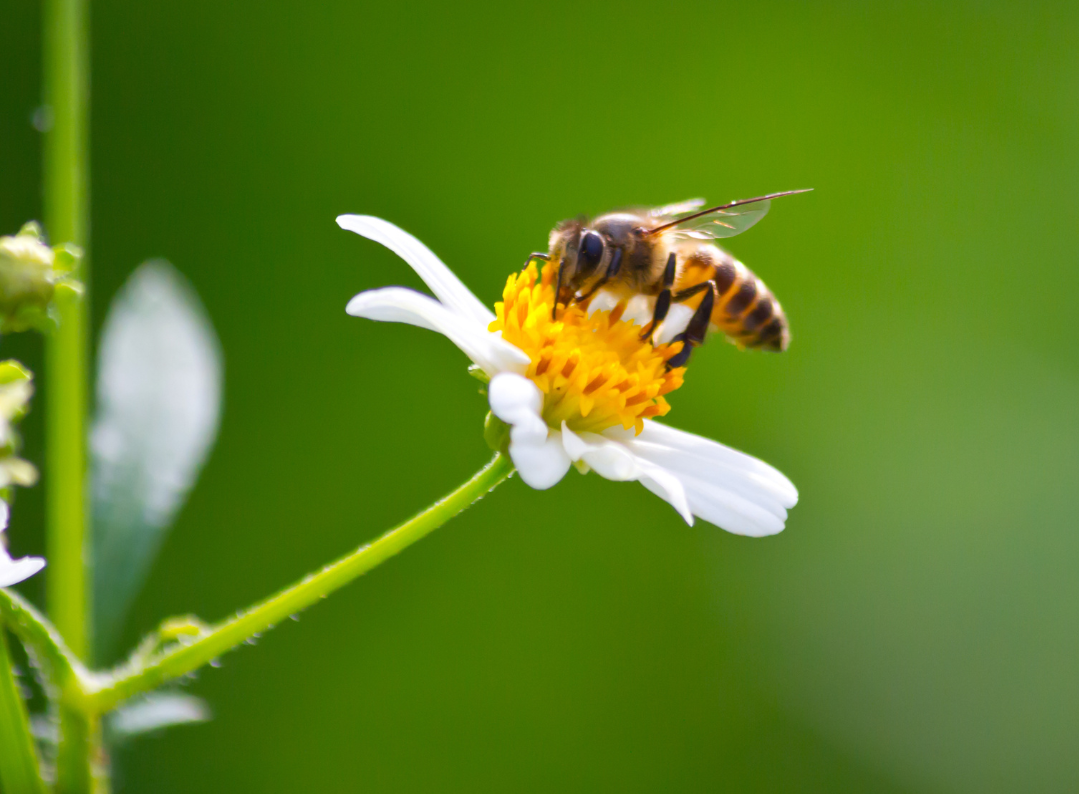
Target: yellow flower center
[594, 371]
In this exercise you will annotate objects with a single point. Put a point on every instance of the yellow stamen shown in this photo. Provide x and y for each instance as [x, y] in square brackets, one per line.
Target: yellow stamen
[594, 371]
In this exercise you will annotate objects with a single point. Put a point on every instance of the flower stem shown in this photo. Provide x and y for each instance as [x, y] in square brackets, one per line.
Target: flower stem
[19, 769]
[66, 77]
[141, 675]
[80, 764]
[67, 210]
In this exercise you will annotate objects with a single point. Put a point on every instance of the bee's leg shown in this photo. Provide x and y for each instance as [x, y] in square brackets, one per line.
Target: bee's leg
[542, 257]
[612, 271]
[689, 292]
[663, 300]
[697, 328]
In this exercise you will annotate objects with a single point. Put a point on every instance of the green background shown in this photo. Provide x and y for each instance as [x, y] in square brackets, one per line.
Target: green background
[915, 627]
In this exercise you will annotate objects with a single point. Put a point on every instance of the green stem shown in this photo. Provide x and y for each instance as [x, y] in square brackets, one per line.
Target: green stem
[80, 765]
[143, 675]
[19, 769]
[67, 211]
[78, 759]
[66, 674]
[66, 78]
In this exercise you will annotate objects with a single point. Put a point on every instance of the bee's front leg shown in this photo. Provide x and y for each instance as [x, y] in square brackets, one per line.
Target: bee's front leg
[663, 300]
[536, 255]
[612, 271]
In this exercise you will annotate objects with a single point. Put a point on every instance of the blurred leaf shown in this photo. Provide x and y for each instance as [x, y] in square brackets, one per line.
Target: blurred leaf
[158, 404]
[156, 711]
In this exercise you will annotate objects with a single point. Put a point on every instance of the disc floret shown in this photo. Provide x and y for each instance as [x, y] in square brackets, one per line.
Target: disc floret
[594, 369]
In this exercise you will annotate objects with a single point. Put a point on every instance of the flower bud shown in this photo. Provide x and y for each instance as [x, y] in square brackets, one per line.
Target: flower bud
[16, 387]
[30, 272]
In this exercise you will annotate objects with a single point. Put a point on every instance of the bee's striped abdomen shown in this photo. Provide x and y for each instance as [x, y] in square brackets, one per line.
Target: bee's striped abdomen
[745, 309]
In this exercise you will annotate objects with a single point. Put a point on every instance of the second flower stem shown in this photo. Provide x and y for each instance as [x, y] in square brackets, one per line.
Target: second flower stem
[67, 209]
[143, 675]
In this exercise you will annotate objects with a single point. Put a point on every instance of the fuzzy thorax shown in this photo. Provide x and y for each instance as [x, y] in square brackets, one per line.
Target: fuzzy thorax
[595, 371]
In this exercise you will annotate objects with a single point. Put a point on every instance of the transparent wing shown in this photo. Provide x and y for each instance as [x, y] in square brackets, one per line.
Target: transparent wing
[725, 220]
[671, 211]
[723, 223]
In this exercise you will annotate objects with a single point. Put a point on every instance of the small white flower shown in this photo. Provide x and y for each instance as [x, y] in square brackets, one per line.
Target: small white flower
[14, 571]
[579, 390]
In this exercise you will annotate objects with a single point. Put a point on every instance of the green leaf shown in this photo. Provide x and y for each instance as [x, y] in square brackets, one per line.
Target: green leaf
[158, 404]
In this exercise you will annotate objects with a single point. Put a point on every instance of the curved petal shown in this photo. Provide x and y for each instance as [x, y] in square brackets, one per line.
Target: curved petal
[677, 321]
[517, 401]
[442, 281]
[639, 310]
[540, 464]
[400, 305]
[724, 487]
[691, 451]
[536, 451]
[614, 461]
[603, 301]
[15, 571]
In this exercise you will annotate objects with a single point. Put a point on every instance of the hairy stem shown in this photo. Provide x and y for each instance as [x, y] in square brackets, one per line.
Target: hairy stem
[65, 673]
[19, 770]
[141, 675]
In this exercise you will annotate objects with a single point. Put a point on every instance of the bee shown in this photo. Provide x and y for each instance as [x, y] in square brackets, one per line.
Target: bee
[665, 254]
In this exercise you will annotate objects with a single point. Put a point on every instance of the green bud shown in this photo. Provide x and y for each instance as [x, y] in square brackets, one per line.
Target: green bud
[476, 371]
[11, 371]
[29, 274]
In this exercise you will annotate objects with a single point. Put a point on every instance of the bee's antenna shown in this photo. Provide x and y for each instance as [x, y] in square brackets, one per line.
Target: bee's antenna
[737, 203]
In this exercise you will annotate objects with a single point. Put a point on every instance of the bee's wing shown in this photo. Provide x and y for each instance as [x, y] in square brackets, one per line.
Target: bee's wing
[672, 211]
[723, 223]
[725, 220]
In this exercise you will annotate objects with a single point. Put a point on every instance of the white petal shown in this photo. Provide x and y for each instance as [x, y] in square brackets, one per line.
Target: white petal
[442, 281]
[689, 466]
[517, 401]
[614, 461]
[399, 305]
[15, 571]
[677, 319]
[713, 454]
[724, 487]
[536, 451]
[639, 309]
[608, 459]
[5, 515]
[540, 464]
[603, 301]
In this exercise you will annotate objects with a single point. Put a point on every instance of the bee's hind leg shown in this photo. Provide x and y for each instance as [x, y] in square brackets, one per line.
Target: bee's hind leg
[663, 300]
[697, 328]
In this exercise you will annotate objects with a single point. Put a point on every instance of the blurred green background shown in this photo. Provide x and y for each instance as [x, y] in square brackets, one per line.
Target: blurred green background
[915, 627]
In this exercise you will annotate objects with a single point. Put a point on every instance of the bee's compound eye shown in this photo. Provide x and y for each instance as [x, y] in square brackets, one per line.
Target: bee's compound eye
[590, 253]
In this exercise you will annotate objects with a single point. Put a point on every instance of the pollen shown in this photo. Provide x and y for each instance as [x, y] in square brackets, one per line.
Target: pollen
[595, 371]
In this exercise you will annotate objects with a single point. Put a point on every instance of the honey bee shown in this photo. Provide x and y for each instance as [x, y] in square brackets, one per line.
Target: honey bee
[665, 254]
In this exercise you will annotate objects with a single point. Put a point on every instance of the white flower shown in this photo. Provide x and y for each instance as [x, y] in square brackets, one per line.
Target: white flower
[15, 391]
[14, 571]
[579, 390]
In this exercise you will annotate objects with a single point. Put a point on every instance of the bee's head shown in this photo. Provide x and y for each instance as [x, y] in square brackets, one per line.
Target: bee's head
[578, 251]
